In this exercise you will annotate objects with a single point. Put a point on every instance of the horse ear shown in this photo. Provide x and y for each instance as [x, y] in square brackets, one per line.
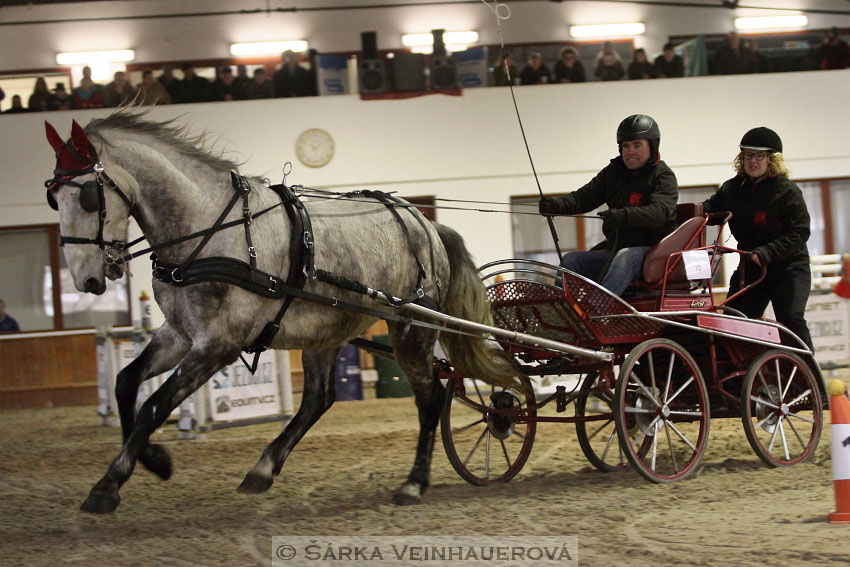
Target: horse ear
[78, 137]
[53, 136]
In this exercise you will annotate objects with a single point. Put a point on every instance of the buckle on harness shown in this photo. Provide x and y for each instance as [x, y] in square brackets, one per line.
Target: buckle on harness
[174, 277]
[252, 251]
[272, 284]
[420, 293]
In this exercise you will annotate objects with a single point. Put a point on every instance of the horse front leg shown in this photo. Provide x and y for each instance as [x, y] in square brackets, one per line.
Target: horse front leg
[164, 352]
[202, 361]
[318, 397]
[414, 353]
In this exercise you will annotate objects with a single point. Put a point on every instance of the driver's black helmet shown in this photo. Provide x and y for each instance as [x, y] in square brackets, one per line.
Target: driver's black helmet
[641, 127]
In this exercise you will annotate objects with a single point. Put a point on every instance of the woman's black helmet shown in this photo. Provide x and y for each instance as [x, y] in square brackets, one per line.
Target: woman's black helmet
[641, 127]
[761, 139]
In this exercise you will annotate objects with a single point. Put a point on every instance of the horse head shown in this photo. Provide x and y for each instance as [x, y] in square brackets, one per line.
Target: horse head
[93, 219]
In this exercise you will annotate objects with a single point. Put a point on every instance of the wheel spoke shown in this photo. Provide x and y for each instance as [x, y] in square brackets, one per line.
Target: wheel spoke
[691, 413]
[797, 433]
[763, 402]
[608, 446]
[681, 436]
[644, 389]
[784, 440]
[670, 444]
[465, 427]
[800, 417]
[652, 373]
[760, 423]
[764, 382]
[679, 391]
[477, 391]
[505, 452]
[475, 447]
[599, 429]
[788, 384]
[654, 445]
[669, 379]
[800, 397]
[778, 380]
[772, 439]
[630, 409]
[487, 454]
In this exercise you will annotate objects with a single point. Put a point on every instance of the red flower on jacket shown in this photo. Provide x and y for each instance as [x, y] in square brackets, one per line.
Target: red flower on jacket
[635, 199]
[760, 218]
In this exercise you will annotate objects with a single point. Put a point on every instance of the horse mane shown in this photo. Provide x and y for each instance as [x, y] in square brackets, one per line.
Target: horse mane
[168, 132]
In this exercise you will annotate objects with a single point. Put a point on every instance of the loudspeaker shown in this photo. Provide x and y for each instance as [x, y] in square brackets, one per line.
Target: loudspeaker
[371, 71]
[442, 69]
[409, 72]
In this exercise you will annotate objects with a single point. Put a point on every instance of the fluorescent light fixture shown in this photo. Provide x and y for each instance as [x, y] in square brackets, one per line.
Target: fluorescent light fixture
[90, 57]
[795, 21]
[267, 47]
[429, 49]
[608, 30]
[449, 38]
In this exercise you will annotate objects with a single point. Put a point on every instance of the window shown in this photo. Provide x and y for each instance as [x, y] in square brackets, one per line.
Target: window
[38, 290]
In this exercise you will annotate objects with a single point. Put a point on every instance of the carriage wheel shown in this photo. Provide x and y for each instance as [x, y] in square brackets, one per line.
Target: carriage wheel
[598, 439]
[486, 447]
[782, 409]
[662, 411]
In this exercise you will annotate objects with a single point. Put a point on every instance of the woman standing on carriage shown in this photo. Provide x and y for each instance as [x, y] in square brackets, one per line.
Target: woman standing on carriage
[641, 193]
[770, 220]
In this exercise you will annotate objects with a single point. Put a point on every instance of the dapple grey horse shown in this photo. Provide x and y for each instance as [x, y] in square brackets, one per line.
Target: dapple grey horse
[174, 185]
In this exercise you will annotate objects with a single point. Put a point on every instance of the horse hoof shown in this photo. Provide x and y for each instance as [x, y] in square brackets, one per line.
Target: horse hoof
[156, 459]
[407, 495]
[255, 484]
[101, 502]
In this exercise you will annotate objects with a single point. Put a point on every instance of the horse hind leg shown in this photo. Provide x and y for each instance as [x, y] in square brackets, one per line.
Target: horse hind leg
[414, 353]
[163, 353]
[318, 397]
[194, 370]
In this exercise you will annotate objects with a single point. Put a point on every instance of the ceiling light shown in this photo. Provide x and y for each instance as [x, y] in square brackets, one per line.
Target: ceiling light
[607, 30]
[267, 48]
[449, 38]
[90, 57]
[795, 21]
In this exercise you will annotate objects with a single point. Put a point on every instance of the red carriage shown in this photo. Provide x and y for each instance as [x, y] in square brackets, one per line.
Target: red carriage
[653, 368]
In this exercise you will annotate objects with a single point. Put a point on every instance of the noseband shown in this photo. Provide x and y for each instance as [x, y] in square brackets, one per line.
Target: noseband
[91, 198]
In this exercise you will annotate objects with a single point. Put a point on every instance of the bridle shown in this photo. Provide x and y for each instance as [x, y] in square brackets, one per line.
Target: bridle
[92, 200]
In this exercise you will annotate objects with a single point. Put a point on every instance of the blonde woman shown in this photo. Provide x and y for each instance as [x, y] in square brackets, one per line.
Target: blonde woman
[770, 220]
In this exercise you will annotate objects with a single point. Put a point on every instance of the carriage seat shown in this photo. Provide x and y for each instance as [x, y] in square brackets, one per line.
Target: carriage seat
[689, 234]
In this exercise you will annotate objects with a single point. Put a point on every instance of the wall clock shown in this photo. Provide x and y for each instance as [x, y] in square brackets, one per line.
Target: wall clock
[314, 147]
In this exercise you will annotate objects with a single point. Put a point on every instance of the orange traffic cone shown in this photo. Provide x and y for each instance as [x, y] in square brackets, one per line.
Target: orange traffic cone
[839, 407]
[842, 288]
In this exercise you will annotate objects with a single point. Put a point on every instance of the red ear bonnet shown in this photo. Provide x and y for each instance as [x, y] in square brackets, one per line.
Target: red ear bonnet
[53, 137]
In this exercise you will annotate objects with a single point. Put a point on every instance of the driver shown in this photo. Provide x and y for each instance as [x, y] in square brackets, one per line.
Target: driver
[641, 193]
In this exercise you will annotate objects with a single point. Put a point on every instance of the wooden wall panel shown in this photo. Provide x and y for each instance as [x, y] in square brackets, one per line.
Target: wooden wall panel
[44, 371]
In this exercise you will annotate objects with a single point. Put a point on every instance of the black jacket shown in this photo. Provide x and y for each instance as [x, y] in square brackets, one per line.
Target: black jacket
[647, 195]
[769, 218]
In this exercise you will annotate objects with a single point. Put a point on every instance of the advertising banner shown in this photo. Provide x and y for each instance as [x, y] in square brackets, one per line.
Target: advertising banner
[471, 67]
[827, 316]
[333, 74]
[236, 394]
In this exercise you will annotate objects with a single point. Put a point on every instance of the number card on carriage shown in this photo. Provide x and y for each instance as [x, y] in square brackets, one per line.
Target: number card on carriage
[697, 264]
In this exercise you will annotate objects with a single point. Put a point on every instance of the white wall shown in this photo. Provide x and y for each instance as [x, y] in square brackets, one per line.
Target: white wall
[328, 28]
[470, 147]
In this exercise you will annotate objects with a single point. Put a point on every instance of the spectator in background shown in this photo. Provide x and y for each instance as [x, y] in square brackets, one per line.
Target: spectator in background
[241, 79]
[502, 76]
[151, 91]
[170, 83]
[733, 58]
[259, 87]
[193, 88]
[535, 72]
[568, 69]
[87, 95]
[640, 67]
[225, 87]
[7, 323]
[59, 99]
[311, 75]
[834, 53]
[760, 64]
[669, 65]
[87, 75]
[609, 66]
[291, 79]
[39, 97]
[2, 94]
[119, 91]
[17, 106]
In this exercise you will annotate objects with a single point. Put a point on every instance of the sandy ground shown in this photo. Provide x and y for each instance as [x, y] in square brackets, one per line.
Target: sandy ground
[338, 481]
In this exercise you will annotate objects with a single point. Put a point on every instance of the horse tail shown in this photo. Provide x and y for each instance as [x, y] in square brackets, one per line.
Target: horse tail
[466, 298]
